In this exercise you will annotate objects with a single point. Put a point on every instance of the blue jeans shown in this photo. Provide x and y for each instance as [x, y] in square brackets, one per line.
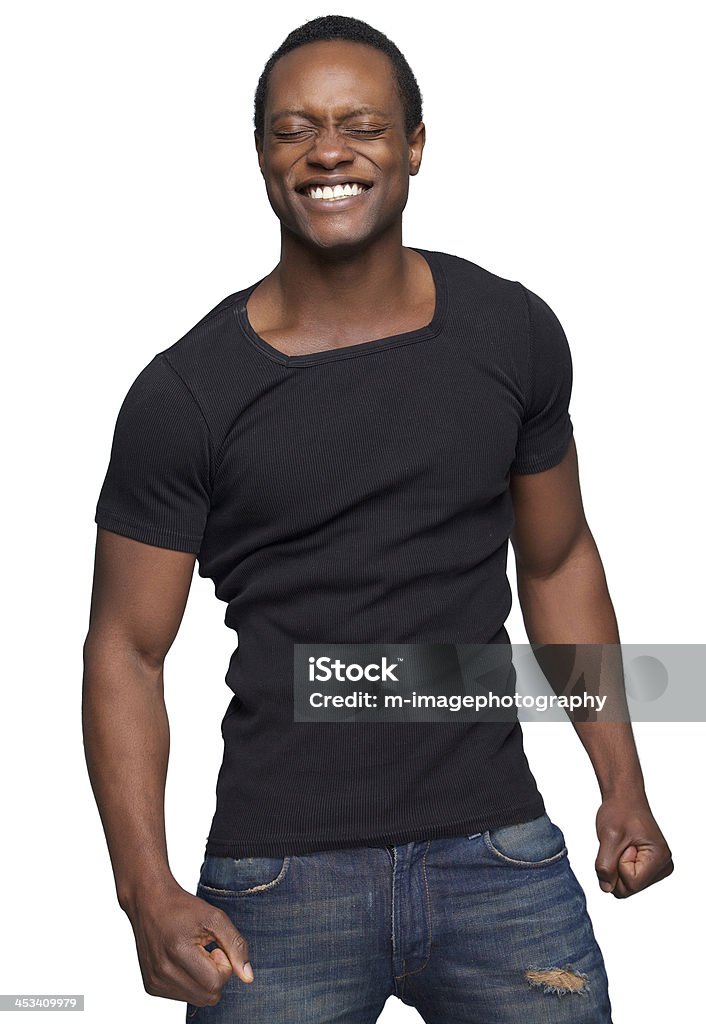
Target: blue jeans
[484, 929]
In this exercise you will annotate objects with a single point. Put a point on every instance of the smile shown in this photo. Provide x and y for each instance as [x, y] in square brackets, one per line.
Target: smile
[335, 193]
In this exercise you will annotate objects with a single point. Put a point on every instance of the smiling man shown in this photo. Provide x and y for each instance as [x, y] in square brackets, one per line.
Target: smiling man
[347, 446]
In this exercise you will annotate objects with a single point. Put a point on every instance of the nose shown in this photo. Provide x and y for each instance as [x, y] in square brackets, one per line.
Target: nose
[329, 149]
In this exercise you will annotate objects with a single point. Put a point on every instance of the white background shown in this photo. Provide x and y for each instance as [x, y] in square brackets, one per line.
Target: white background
[563, 151]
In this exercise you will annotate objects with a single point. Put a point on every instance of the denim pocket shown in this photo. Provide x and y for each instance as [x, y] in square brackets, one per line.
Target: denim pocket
[241, 876]
[529, 844]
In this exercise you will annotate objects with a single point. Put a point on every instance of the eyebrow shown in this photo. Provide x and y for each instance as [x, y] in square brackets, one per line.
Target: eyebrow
[298, 112]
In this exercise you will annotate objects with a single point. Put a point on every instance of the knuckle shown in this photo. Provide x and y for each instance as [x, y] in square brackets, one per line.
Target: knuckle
[216, 919]
[159, 977]
[160, 969]
[213, 996]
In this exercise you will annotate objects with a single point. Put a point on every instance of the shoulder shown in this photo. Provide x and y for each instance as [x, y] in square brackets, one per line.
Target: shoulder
[463, 272]
[478, 296]
[213, 363]
[200, 375]
[471, 281]
[484, 307]
[208, 342]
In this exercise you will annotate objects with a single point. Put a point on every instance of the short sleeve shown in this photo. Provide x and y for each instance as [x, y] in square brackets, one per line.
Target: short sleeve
[157, 485]
[546, 428]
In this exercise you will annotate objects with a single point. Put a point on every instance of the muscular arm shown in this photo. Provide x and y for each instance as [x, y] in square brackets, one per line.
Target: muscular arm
[564, 599]
[138, 600]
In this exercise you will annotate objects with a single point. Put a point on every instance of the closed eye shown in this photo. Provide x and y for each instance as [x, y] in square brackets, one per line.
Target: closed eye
[356, 131]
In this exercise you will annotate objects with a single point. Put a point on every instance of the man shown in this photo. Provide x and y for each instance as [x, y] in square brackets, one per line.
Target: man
[347, 445]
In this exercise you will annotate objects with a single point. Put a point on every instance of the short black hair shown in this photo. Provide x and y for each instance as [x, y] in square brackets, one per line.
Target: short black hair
[337, 26]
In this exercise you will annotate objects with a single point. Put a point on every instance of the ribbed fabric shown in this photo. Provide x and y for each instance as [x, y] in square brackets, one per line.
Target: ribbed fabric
[355, 495]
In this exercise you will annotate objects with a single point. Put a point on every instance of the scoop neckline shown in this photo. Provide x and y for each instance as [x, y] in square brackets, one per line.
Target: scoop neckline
[361, 348]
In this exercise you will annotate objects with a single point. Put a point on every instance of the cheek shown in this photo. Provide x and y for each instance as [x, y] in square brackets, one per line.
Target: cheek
[278, 196]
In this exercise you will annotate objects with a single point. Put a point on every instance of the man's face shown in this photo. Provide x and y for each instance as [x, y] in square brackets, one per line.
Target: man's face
[333, 116]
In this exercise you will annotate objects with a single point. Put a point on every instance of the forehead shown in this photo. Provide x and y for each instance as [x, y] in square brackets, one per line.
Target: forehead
[333, 76]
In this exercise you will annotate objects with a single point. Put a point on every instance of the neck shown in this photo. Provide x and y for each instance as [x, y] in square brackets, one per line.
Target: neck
[315, 284]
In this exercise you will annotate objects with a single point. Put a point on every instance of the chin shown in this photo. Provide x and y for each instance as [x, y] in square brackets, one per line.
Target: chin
[337, 244]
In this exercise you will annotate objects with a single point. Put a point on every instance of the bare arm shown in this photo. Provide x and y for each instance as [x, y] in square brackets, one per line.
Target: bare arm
[137, 605]
[564, 598]
[138, 600]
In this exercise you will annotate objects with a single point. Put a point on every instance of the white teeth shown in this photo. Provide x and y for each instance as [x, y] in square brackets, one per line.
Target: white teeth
[351, 188]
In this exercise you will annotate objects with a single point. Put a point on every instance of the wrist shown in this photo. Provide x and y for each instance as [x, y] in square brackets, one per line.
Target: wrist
[630, 789]
[143, 888]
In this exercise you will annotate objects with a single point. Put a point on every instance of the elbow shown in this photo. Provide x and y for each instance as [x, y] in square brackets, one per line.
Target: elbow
[566, 553]
[108, 655]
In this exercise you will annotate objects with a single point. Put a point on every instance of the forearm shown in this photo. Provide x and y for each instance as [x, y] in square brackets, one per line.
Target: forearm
[126, 742]
[572, 606]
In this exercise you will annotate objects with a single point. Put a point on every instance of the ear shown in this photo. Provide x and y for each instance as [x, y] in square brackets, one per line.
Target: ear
[415, 141]
[258, 147]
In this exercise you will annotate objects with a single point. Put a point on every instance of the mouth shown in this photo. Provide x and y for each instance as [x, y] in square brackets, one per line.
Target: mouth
[338, 193]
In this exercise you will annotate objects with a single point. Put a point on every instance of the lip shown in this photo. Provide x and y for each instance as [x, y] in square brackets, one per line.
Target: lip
[331, 205]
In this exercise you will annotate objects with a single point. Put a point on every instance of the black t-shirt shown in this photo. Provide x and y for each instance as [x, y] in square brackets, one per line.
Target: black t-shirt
[358, 495]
